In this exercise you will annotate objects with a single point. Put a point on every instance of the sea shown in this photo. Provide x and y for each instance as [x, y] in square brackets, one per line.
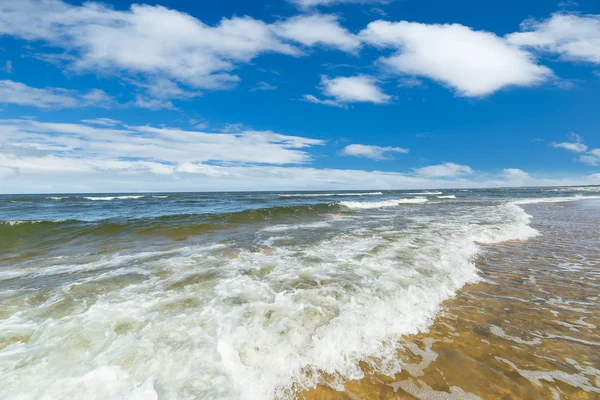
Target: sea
[282, 295]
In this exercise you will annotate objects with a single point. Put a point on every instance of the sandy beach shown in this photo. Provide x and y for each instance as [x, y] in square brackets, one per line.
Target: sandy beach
[528, 330]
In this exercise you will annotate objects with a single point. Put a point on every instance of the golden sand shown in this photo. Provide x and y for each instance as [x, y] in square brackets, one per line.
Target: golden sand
[530, 330]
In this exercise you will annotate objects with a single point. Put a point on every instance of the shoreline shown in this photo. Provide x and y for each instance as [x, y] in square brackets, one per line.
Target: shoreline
[523, 332]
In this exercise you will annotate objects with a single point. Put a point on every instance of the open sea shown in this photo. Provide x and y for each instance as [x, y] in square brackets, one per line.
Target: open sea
[320, 295]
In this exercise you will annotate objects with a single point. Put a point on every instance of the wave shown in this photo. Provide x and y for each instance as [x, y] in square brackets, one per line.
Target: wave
[357, 205]
[24, 222]
[426, 193]
[160, 197]
[258, 323]
[57, 197]
[329, 194]
[109, 198]
[574, 189]
[450, 196]
[554, 199]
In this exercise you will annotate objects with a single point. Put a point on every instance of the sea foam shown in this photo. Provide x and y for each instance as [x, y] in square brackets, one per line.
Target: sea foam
[329, 194]
[109, 198]
[357, 205]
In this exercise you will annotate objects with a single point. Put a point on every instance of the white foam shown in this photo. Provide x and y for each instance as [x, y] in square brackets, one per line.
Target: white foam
[246, 323]
[27, 221]
[160, 197]
[450, 196]
[554, 199]
[109, 198]
[357, 205]
[426, 193]
[283, 227]
[57, 197]
[329, 194]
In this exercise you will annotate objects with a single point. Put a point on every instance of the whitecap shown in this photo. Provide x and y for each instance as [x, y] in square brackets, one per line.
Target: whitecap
[109, 198]
[329, 194]
[357, 205]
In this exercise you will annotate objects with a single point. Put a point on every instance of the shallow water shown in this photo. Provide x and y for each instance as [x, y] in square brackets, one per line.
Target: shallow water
[528, 330]
[266, 295]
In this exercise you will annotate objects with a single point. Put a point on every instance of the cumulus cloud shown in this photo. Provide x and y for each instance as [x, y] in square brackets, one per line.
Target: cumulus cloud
[157, 42]
[353, 89]
[515, 174]
[571, 36]
[317, 29]
[474, 63]
[18, 93]
[372, 152]
[446, 170]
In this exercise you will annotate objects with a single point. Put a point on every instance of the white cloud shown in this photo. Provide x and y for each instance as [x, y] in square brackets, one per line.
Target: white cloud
[102, 121]
[317, 29]
[18, 93]
[589, 159]
[313, 99]
[515, 174]
[353, 89]
[43, 157]
[573, 37]
[446, 170]
[306, 4]
[576, 146]
[475, 63]
[32, 144]
[153, 104]
[263, 86]
[373, 152]
[163, 45]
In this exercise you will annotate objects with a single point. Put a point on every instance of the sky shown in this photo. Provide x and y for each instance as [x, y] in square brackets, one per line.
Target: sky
[173, 95]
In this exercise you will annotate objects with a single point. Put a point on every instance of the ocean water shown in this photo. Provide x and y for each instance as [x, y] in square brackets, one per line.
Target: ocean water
[234, 295]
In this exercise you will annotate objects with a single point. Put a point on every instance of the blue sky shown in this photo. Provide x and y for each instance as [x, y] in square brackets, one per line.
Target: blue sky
[297, 94]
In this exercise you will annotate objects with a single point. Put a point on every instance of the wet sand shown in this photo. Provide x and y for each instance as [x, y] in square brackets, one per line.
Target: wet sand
[528, 330]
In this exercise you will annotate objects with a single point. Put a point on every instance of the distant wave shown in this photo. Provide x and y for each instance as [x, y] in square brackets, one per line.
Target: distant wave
[426, 193]
[450, 196]
[57, 197]
[160, 197]
[357, 205]
[554, 199]
[108, 198]
[329, 194]
[574, 189]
